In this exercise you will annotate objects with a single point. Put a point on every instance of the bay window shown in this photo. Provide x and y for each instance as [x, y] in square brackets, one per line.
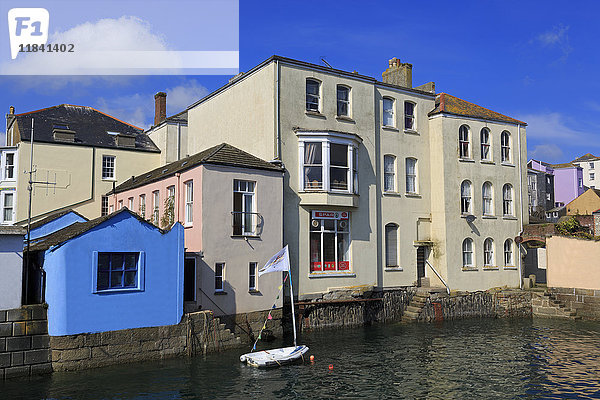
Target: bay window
[9, 166]
[8, 207]
[329, 241]
[338, 170]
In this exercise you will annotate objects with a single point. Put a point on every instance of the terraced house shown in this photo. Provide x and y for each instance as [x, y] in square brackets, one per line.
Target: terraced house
[386, 185]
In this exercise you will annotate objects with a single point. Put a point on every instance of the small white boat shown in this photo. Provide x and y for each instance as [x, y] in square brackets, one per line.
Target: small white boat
[275, 357]
[282, 355]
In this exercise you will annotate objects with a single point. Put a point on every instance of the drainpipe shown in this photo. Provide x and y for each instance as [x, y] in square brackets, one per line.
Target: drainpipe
[178, 141]
[520, 205]
[277, 132]
[178, 195]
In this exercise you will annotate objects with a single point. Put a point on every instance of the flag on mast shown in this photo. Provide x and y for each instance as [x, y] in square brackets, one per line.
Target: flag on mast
[279, 262]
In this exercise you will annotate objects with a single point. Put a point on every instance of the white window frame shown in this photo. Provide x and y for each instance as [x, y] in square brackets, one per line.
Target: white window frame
[189, 203]
[247, 190]
[487, 198]
[340, 102]
[253, 273]
[592, 176]
[5, 194]
[412, 117]
[313, 96]
[488, 252]
[591, 165]
[390, 112]
[120, 204]
[4, 165]
[485, 144]
[109, 173]
[464, 143]
[414, 177]
[104, 206]
[505, 147]
[130, 204]
[507, 200]
[391, 174]
[508, 253]
[392, 229]
[220, 276]
[139, 273]
[156, 207]
[327, 139]
[142, 206]
[466, 199]
[467, 252]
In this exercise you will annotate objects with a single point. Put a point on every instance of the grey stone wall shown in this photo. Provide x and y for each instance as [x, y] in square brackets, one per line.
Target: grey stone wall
[585, 301]
[197, 333]
[24, 342]
[247, 326]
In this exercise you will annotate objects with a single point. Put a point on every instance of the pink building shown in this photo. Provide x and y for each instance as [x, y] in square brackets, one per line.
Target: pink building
[230, 204]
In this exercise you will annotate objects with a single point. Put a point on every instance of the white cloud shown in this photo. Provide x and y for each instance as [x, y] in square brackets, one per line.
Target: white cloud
[555, 127]
[2, 138]
[547, 152]
[124, 33]
[138, 108]
[558, 37]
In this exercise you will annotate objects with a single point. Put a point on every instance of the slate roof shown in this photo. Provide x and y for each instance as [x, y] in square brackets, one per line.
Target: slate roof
[564, 165]
[448, 104]
[76, 229]
[51, 217]
[222, 154]
[12, 230]
[90, 127]
[586, 157]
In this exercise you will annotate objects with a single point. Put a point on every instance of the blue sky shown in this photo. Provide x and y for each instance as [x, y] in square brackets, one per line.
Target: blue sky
[535, 61]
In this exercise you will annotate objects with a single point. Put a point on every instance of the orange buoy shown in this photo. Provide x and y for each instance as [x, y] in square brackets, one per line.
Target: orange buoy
[330, 367]
[312, 358]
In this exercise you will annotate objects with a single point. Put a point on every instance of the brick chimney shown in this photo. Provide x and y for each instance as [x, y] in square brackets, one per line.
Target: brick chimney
[399, 74]
[160, 107]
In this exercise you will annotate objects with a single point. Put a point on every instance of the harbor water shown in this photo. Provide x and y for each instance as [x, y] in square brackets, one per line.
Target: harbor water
[469, 359]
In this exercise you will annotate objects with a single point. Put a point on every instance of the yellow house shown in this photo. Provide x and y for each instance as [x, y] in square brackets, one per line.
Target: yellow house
[79, 154]
[585, 204]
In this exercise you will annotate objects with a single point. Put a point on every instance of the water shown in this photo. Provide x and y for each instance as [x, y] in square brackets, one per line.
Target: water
[471, 359]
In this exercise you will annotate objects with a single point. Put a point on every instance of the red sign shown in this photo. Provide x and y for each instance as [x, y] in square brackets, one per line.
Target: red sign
[315, 266]
[330, 214]
[329, 266]
[344, 265]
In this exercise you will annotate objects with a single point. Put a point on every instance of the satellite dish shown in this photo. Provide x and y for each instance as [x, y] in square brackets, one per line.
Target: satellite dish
[470, 218]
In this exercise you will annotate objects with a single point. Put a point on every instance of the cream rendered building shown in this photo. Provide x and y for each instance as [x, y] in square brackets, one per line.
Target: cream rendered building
[373, 176]
[591, 167]
[79, 155]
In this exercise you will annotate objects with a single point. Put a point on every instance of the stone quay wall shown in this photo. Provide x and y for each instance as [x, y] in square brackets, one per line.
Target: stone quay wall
[197, 333]
[24, 342]
[353, 307]
[585, 301]
[247, 326]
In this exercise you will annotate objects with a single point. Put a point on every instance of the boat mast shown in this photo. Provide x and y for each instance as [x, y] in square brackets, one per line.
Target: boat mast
[292, 301]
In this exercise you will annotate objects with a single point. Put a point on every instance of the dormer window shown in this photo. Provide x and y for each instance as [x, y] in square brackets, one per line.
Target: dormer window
[62, 133]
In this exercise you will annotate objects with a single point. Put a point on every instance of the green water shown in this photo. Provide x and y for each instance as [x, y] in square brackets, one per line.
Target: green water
[471, 359]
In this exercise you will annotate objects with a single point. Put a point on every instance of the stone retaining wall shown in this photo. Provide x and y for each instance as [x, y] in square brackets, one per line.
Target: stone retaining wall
[585, 301]
[197, 333]
[24, 342]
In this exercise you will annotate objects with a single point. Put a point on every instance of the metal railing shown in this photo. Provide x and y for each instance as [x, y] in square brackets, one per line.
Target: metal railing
[439, 276]
[246, 223]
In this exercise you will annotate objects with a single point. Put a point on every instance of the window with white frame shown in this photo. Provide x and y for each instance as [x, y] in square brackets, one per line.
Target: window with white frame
[9, 166]
[465, 198]
[130, 203]
[591, 165]
[170, 205]
[508, 253]
[467, 253]
[108, 167]
[120, 204]
[409, 116]
[488, 199]
[118, 271]
[505, 146]
[329, 165]
[142, 210]
[411, 176]
[219, 276]
[8, 201]
[389, 173]
[189, 202]
[485, 144]
[244, 215]
[156, 207]
[104, 206]
[464, 142]
[343, 101]
[313, 95]
[388, 112]
[507, 200]
[329, 241]
[391, 245]
[592, 176]
[488, 252]
[252, 277]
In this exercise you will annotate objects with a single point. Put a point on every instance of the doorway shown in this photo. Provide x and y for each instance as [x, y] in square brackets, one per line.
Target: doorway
[421, 256]
[189, 280]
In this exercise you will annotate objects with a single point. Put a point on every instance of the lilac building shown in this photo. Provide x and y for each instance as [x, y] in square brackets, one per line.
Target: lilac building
[568, 183]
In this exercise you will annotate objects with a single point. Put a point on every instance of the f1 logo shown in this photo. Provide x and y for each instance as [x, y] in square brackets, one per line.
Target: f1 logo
[27, 26]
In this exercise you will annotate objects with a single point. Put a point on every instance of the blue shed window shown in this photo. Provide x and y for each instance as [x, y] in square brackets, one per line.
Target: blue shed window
[118, 271]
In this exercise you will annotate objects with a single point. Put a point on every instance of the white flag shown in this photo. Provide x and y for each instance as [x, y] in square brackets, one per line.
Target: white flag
[279, 262]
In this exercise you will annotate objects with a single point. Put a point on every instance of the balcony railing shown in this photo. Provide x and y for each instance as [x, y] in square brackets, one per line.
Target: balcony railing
[246, 223]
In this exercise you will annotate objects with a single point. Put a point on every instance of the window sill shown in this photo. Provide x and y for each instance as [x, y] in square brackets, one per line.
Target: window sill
[254, 291]
[392, 269]
[489, 162]
[507, 164]
[489, 217]
[245, 236]
[116, 291]
[467, 160]
[109, 179]
[390, 128]
[413, 195]
[470, 269]
[490, 268]
[315, 114]
[188, 226]
[335, 274]
[220, 293]
[465, 215]
[510, 267]
[344, 118]
[509, 218]
[392, 194]
[412, 132]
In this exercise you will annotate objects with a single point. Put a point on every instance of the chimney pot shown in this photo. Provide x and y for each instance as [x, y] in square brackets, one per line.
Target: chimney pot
[12, 110]
[160, 107]
[399, 74]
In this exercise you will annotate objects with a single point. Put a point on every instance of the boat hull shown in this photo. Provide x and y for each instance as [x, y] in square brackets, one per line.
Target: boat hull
[274, 357]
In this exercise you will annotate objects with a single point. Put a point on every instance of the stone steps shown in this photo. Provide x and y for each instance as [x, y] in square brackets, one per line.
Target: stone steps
[412, 312]
[549, 306]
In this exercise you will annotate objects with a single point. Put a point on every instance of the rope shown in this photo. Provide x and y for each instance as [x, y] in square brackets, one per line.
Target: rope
[269, 315]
